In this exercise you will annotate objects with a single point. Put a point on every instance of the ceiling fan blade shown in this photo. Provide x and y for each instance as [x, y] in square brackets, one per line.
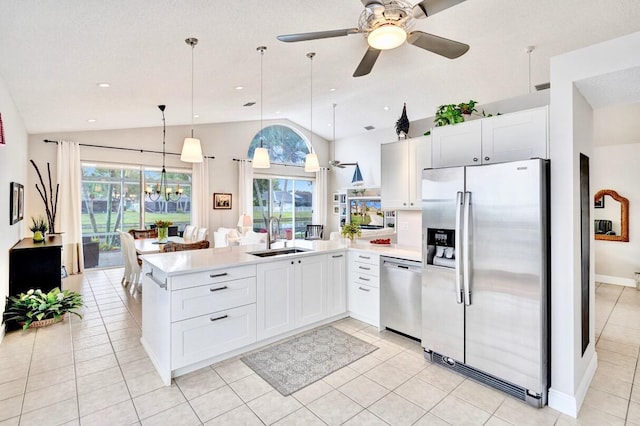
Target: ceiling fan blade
[367, 62]
[317, 35]
[430, 7]
[438, 45]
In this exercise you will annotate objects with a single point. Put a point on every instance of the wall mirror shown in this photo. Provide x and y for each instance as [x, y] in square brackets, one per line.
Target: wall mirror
[611, 214]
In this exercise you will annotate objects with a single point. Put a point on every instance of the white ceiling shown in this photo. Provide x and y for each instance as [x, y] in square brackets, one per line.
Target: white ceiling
[53, 53]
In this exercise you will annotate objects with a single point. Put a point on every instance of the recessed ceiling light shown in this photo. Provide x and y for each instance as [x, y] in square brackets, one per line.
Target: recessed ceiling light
[332, 89]
[91, 120]
[196, 115]
[104, 85]
[386, 108]
[277, 112]
[328, 124]
[239, 87]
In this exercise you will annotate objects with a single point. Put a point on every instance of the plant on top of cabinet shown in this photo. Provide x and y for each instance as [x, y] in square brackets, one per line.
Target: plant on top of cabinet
[402, 125]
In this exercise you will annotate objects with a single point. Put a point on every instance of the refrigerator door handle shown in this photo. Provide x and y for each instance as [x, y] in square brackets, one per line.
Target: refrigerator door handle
[458, 243]
[466, 269]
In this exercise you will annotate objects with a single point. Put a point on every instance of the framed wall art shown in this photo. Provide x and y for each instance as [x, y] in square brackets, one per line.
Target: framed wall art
[16, 203]
[221, 201]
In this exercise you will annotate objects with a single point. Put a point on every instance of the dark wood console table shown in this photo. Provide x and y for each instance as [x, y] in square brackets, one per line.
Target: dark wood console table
[35, 265]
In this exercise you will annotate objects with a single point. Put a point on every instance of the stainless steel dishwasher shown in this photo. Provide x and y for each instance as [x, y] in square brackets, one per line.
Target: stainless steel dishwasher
[401, 295]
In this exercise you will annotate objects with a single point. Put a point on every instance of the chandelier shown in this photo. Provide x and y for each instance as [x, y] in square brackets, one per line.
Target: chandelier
[162, 189]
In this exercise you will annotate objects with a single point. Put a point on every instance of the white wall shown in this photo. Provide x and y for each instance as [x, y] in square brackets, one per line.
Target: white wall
[571, 128]
[224, 141]
[615, 167]
[13, 160]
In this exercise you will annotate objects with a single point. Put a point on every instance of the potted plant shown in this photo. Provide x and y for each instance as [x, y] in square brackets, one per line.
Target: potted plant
[448, 114]
[37, 309]
[163, 230]
[466, 108]
[38, 227]
[351, 230]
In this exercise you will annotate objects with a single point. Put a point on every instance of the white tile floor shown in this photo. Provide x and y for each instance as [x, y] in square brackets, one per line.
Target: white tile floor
[95, 372]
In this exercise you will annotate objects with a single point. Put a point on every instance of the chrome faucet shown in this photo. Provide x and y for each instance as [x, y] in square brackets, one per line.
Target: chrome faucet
[271, 236]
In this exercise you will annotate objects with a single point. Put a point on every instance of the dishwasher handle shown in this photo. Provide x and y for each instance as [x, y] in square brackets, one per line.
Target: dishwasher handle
[408, 266]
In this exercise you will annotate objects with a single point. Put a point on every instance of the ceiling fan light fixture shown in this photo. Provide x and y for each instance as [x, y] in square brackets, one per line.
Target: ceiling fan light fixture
[387, 36]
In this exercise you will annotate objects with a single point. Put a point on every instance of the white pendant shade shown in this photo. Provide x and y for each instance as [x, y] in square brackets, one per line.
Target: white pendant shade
[191, 151]
[387, 37]
[311, 163]
[261, 159]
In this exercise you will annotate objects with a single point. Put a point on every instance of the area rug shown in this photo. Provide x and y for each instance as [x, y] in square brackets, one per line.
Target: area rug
[291, 365]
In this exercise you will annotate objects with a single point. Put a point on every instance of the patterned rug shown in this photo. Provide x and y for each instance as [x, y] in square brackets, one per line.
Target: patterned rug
[303, 360]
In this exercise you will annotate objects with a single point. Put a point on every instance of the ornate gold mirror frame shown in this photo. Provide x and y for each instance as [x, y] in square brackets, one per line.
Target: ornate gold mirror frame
[624, 216]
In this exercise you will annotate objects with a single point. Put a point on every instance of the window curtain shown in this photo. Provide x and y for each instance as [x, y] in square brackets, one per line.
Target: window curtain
[201, 200]
[245, 187]
[320, 197]
[70, 205]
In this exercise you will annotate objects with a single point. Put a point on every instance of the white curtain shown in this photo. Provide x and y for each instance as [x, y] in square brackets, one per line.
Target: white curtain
[201, 200]
[69, 220]
[245, 187]
[320, 195]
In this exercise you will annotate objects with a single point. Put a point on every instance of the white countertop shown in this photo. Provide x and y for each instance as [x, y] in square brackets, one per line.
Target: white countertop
[179, 262]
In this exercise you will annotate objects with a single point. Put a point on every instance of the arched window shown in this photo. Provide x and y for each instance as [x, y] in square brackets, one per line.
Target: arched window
[285, 145]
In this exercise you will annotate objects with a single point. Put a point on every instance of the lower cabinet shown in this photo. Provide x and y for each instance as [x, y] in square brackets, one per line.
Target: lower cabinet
[336, 284]
[364, 286]
[310, 289]
[275, 295]
[206, 336]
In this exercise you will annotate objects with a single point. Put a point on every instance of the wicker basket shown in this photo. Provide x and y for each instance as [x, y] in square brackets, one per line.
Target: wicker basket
[44, 322]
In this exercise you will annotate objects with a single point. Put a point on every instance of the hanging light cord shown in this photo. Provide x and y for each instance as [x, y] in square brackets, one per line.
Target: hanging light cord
[310, 55]
[261, 49]
[193, 46]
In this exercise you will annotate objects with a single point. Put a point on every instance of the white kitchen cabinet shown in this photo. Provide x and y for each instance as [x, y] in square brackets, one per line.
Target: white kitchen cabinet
[364, 286]
[509, 137]
[336, 284]
[190, 318]
[516, 136]
[275, 295]
[401, 172]
[310, 289]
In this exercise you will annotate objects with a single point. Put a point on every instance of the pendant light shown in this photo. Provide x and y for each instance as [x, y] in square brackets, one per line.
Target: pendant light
[191, 149]
[162, 189]
[311, 163]
[261, 155]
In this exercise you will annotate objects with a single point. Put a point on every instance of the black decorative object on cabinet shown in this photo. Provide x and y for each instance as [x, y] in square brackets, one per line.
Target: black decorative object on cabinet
[402, 125]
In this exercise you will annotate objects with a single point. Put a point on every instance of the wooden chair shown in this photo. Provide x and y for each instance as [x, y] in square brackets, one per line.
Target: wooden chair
[143, 233]
[171, 246]
[314, 232]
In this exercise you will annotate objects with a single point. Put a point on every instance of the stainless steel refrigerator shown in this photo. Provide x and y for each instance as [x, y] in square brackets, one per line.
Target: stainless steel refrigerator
[486, 274]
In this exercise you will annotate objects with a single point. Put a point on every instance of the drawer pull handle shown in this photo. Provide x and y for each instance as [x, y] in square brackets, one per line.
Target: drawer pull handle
[364, 279]
[363, 289]
[337, 256]
[364, 257]
[218, 289]
[224, 274]
[155, 280]
[219, 318]
[365, 268]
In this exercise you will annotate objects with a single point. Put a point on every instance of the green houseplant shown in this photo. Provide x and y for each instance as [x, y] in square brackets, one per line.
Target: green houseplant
[351, 230]
[38, 227]
[35, 305]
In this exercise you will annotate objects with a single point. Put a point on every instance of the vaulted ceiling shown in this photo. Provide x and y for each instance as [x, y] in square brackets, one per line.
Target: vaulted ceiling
[53, 54]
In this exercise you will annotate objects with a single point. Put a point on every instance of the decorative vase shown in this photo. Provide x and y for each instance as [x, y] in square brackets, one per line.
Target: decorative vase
[163, 234]
[38, 237]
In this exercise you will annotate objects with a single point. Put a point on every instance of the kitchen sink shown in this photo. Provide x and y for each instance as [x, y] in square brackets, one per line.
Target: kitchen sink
[278, 252]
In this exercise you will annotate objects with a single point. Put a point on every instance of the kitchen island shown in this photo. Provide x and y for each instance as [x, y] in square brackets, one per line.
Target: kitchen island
[203, 306]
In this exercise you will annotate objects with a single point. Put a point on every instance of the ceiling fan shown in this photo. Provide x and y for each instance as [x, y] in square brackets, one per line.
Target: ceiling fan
[387, 24]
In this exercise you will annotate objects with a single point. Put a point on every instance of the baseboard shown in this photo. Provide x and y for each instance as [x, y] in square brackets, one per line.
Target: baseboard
[609, 279]
[571, 404]
[2, 331]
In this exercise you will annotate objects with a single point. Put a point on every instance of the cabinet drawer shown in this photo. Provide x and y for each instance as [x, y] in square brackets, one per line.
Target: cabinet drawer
[203, 337]
[364, 303]
[366, 279]
[364, 257]
[193, 302]
[212, 277]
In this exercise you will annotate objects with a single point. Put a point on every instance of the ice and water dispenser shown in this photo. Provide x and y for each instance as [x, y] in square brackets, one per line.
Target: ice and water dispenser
[441, 247]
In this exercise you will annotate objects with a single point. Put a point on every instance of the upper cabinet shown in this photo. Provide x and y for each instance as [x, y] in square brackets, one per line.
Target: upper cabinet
[509, 137]
[401, 172]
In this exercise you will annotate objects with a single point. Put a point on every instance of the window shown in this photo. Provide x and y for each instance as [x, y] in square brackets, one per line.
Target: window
[288, 199]
[113, 199]
[285, 145]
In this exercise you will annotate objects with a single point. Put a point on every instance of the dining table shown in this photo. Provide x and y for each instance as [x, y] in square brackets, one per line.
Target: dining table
[151, 245]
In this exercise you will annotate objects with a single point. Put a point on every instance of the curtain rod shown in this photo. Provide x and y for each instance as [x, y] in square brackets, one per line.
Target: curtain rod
[124, 149]
[276, 164]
